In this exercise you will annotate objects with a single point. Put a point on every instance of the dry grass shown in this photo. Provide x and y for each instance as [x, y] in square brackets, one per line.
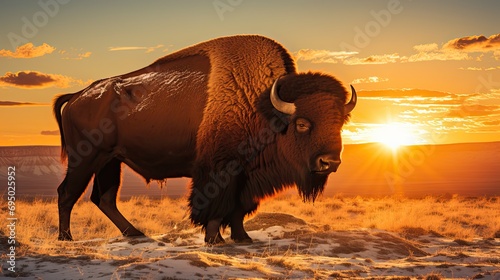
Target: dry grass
[454, 217]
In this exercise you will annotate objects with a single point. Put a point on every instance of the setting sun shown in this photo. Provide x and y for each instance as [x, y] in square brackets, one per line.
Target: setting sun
[395, 135]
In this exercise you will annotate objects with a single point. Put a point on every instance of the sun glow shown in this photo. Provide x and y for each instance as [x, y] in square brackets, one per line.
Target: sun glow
[394, 135]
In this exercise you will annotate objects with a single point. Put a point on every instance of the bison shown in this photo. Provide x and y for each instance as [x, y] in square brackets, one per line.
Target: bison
[231, 113]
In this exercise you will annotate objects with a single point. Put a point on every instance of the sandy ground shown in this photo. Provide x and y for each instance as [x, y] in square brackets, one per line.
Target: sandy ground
[284, 247]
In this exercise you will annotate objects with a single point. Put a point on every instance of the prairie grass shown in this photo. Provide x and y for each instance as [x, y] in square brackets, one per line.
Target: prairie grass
[453, 217]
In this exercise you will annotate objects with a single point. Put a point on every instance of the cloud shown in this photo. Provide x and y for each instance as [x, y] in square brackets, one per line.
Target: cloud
[15, 103]
[497, 122]
[438, 55]
[34, 79]
[373, 59]
[496, 54]
[345, 57]
[372, 79]
[50, 132]
[74, 55]
[322, 56]
[453, 50]
[147, 49]
[404, 93]
[479, 68]
[479, 43]
[457, 49]
[426, 47]
[84, 55]
[474, 110]
[28, 51]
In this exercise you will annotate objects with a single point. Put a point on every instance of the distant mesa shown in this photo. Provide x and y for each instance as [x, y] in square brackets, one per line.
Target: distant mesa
[14, 103]
[371, 170]
[39, 172]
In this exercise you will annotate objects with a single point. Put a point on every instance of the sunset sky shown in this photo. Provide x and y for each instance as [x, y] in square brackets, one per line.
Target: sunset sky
[425, 71]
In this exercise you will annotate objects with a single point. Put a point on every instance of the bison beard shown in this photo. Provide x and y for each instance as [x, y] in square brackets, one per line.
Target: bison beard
[311, 186]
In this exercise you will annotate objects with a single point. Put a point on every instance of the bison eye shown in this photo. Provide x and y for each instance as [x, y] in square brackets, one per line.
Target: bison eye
[302, 125]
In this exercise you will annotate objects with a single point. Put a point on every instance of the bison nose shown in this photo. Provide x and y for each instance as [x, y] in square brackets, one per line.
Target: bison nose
[327, 164]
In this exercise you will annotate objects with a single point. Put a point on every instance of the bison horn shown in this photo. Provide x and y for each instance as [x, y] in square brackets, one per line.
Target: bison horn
[280, 105]
[352, 103]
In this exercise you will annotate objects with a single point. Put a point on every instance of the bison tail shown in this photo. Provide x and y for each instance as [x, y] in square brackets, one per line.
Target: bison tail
[59, 101]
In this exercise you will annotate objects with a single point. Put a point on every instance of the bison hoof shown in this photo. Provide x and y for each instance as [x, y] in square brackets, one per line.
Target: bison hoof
[243, 241]
[241, 237]
[65, 237]
[133, 233]
[214, 240]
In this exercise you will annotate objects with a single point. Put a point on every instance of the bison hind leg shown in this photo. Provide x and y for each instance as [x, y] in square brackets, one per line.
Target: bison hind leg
[104, 194]
[69, 191]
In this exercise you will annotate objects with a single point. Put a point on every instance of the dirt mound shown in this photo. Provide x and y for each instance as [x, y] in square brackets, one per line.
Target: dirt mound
[265, 220]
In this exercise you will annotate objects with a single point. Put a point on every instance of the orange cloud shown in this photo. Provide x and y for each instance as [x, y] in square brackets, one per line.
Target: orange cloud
[147, 49]
[400, 93]
[322, 56]
[374, 59]
[438, 55]
[474, 43]
[479, 68]
[426, 47]
[496, 54]
[28, 51]
[73, 56]
[84, 55]
[474, 110]
[497, 122]
[34, 80]
[372, 79]
[456, 49]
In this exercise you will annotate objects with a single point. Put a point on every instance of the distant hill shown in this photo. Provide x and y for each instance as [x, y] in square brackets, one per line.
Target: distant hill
[39, 172]
[471, 169]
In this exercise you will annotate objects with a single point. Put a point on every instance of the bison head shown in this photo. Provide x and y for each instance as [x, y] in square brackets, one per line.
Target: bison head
[310, 144]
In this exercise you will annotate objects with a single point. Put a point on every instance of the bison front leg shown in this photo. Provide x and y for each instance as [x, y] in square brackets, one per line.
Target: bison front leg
[238, 233]
[212, 198]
